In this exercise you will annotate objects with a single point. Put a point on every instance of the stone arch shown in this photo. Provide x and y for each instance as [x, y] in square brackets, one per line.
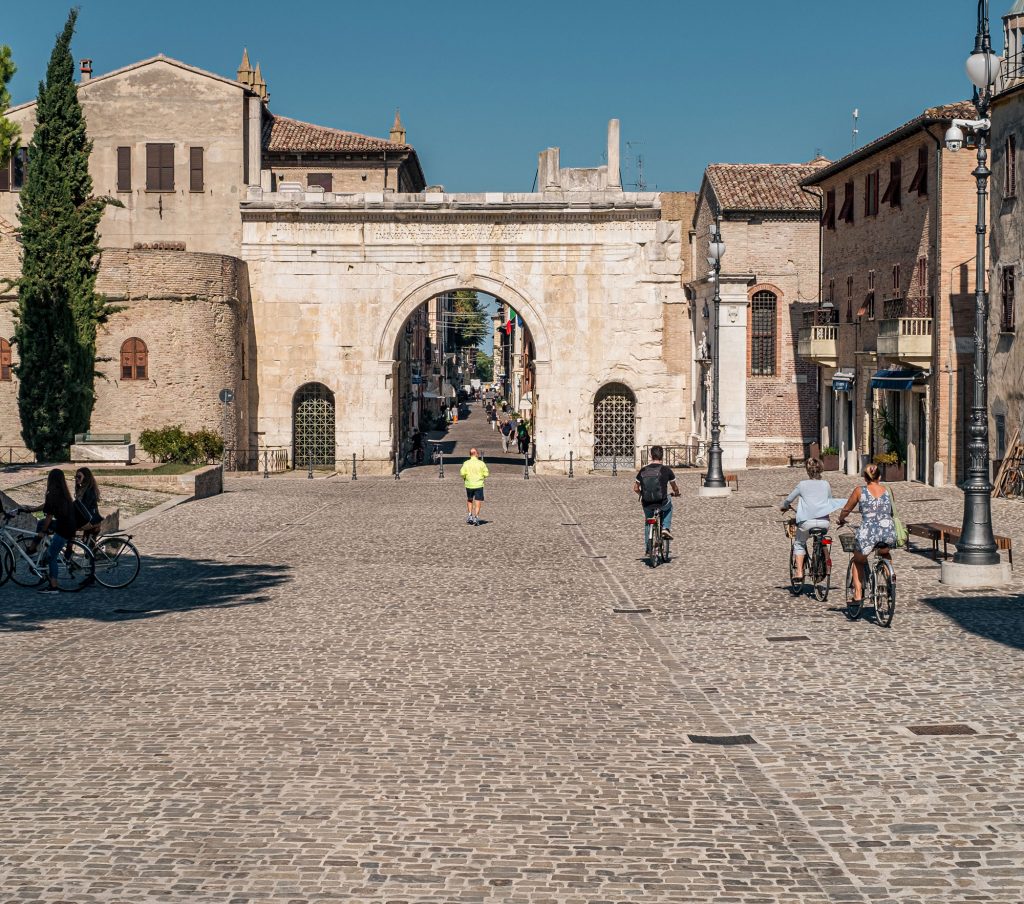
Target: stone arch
[480, 281]
[765, 287]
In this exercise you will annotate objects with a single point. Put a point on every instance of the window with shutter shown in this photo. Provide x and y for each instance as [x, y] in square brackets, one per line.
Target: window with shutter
[828, 218]
[896, 279]
[1006, 320]
[920, 181]
[324, 180]
[19, 168]
[893, 190]
[846, 212]
[5, 177]
[5, 361]
[871, 194]
[124, 169]
[763, 333]
[159, 167]
[134, 360]
[195, 169]
[1010, 162]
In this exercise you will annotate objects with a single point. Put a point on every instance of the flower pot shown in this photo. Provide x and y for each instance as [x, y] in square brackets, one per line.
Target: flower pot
[893, 473]
[830, 462]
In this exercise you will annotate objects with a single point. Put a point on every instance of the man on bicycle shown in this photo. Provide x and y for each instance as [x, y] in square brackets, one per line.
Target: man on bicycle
[651, 485]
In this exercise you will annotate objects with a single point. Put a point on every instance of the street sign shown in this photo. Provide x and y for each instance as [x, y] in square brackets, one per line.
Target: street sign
[227, 395]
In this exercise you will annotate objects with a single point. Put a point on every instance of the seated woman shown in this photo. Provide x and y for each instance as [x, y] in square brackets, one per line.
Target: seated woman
[877, 528]
[87, 500]
[813, 508]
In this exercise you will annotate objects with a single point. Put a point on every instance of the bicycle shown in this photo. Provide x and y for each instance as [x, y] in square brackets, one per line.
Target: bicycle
[75, 569]
[880, 584]
[817, 561]
[117, 560]
[657, 549]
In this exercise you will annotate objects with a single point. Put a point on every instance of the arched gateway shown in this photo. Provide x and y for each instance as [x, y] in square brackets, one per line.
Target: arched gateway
[596, 273]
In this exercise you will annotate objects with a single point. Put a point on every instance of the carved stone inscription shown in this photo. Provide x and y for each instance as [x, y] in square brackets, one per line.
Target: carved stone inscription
[475, 233]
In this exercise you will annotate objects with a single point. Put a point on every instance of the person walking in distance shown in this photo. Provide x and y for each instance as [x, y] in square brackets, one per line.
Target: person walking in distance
[651, 485]
[473, 473]
[506, 434]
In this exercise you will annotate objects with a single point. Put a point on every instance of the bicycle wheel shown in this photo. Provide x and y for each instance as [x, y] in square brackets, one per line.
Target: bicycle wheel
[655, 555]
[796, 585]
[884, 592]
[23, 572]
[75, 567]
[6, 562]
[117, 562]
[821, 573]
[853, 610]
[666, 554]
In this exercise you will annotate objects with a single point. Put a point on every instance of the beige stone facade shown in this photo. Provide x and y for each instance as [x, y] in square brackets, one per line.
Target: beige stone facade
[898, 235]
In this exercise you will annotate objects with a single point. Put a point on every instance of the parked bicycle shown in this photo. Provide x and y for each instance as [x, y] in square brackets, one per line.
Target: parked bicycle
[27, 556]
[657, 548]
[817, 565]
[879, 586]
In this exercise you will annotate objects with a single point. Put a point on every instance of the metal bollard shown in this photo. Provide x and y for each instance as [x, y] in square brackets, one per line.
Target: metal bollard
[266, 465]
[526, 466]
[440, 464]
[354, 466]
[398, 467]
[615, 466]
[309, 461]
[570, 464]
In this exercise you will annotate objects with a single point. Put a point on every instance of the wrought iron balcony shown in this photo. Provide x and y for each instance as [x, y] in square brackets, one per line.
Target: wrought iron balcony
[905, 332]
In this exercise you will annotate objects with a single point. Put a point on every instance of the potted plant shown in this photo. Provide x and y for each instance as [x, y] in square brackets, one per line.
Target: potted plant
[892, 467]
[830, 458]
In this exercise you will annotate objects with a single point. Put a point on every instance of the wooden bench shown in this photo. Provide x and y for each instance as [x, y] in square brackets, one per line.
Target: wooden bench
[730, 480]
[937, 533]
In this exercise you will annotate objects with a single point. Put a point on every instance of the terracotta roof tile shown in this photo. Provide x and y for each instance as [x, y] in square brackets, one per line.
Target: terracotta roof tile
[286, 135]
[763, 186]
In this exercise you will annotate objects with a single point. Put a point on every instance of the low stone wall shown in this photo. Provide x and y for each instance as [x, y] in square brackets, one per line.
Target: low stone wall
[199, 484]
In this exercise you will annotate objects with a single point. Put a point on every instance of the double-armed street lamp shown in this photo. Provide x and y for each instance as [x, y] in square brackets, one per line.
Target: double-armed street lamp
[714, 480]
[977, 546]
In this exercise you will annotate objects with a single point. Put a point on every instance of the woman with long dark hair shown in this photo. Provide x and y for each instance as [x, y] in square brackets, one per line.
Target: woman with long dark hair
[87, 501]
[59, 510]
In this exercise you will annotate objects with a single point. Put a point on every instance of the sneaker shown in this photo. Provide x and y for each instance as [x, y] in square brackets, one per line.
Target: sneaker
[469, 519]
[666, 534]
[46, 588]
[475, 522]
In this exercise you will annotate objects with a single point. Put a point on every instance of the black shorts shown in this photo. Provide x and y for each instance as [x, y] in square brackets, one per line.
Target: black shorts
[477, 493]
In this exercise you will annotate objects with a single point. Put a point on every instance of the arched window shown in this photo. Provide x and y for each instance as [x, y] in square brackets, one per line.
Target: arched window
[614, 427]
[313, 426]
[5, 360]
[134, 360]
[763, 333]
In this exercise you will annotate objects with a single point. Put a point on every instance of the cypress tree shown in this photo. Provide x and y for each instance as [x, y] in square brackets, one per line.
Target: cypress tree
[8, 130]
[58, 308]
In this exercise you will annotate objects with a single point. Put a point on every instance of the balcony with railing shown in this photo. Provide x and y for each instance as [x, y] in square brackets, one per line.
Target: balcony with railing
[905, 332]
[818, 338]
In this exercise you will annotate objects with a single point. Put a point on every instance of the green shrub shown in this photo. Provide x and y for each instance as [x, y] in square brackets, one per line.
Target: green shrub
[830, 450]
[174, 444]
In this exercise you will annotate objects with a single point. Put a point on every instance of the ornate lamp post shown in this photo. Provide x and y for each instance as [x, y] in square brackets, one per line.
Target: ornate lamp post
[714, 480]
[977, 545]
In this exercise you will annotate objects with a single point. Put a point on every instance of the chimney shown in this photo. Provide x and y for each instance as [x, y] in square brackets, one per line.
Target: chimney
[86, 70]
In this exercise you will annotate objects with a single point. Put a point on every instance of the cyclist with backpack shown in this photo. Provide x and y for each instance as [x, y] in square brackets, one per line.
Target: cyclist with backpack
[652, 487]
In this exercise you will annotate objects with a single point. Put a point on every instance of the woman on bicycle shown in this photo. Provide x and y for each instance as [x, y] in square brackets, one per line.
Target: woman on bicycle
[87, 500]
[813, 508]
[59, 509]
[877, 529]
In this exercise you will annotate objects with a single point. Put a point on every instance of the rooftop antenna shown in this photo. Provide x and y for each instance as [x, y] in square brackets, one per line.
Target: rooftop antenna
[853, 137]
[638, 160]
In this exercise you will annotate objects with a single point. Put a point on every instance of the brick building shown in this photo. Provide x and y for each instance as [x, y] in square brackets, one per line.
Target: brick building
[1006, 351]
[894, 342]
[769, 278]
[179, 147]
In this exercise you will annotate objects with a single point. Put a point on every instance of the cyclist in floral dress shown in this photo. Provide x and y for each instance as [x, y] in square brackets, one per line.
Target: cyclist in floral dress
[877, 527]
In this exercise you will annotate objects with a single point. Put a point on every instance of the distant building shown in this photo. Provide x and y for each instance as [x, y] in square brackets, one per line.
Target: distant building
[769, 280]
[897, 234]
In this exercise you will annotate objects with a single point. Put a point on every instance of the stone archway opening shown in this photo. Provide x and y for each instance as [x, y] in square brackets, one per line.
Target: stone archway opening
[614, 427]
[458, 347]
[313, 429]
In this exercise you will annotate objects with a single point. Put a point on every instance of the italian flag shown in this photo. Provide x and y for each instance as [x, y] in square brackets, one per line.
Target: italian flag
[511, 319]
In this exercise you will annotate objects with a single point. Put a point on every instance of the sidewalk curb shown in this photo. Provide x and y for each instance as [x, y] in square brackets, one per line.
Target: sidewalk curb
[155, 512]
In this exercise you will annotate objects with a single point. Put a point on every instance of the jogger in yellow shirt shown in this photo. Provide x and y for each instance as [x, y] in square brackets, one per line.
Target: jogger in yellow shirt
[474, 472]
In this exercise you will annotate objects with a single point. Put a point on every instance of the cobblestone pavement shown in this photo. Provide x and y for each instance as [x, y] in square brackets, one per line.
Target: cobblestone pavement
[336, 690]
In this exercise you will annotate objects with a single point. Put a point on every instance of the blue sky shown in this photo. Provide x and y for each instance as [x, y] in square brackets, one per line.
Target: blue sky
[484, 86]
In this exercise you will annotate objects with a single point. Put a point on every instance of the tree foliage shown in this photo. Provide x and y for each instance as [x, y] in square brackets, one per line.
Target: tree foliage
[470, 319]
[58, 308]
[484, 366]
[8, 129]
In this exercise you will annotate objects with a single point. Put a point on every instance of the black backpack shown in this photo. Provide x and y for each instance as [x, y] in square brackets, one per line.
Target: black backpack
[651, 491]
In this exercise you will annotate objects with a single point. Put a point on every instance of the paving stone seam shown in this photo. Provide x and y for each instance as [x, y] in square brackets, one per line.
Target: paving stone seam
[824, 874]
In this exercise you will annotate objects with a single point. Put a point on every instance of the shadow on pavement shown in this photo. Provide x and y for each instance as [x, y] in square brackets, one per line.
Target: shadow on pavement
[998, 618]
[165, 584]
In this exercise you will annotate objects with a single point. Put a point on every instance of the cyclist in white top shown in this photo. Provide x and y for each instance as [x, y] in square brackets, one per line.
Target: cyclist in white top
[814, 505]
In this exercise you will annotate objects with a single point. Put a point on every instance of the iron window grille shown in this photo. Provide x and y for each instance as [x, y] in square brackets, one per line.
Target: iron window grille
[1010, 164]
[763, 333]
[1007, 313]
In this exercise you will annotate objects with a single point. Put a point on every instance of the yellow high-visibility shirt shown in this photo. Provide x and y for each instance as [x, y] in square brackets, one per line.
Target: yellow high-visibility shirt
[473, 473]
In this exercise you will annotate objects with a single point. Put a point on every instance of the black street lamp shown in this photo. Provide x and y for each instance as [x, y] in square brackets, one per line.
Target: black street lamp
[977, 545]
[715, 477]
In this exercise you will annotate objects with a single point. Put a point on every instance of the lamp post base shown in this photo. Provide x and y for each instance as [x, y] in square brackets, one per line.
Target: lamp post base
[975, 577]
[714, 491]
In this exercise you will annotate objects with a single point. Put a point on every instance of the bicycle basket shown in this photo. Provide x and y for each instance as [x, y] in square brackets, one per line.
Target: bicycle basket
[849, 542]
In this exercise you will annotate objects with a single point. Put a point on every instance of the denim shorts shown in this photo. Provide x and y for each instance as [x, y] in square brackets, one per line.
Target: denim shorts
[476, 493]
